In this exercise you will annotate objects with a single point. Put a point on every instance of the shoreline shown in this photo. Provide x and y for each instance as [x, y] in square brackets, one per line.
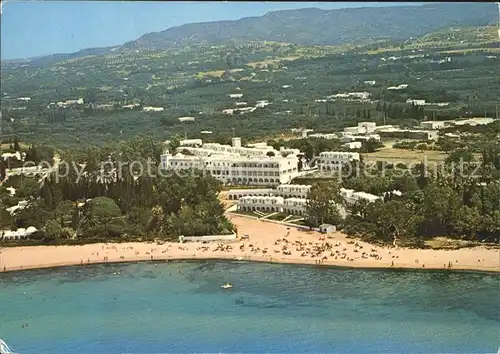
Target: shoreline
[400, 267]
[269, 242]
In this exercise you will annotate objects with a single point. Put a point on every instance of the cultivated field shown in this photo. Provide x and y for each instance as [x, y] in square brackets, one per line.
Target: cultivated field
[405, 156]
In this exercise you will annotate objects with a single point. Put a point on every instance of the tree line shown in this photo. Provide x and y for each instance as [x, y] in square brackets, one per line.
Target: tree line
[460, 199]
[106, 203]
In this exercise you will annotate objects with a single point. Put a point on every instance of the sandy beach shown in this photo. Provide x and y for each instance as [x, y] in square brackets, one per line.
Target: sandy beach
[269, 242]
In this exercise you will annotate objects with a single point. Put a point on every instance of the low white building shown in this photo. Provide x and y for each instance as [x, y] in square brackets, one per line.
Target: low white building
[188, 142]
[253, 203]
[290, 199]
[270, 204]
[354, 145]
[328, 136]
[152, 109]
[293, 190]
[19, 234]
[283, 190]
[262, 104]
[335, 160]
[409, 134]
[366, 127]
[352, 95]
[243, 110]
[362, 128]
[432, 125]
[235, 194]
[186, 119]
[382, 127]
[351, 196]
[295, 206]
[415, 102]
[14, 155]
[351, 130]
[399, 87]
[473, 121]
[348, 138]
[22, 204]
[301, 131]
[69, 102]
[131, 106]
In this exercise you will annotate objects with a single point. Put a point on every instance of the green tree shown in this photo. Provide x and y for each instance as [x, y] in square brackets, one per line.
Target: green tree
[394, 219]
[29, 188]
[359, 207]
[53, 230]
[422, 147]
[3, 170]
[323, 204]
[467, 222]
[440, 206]
[17, 147]
[446, 144]
[102, 210]
[64, 211]
[460, 156]
[174, 144]
[6, 219]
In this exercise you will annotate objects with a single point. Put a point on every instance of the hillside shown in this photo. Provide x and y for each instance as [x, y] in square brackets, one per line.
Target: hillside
[314, 26]
[455, 70]
[309, 26]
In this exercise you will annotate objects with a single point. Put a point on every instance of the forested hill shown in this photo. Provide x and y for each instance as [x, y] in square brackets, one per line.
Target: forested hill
[314, 26]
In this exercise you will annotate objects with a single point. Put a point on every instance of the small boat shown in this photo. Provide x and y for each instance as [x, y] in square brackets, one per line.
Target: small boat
[227, 286]
[5, 349]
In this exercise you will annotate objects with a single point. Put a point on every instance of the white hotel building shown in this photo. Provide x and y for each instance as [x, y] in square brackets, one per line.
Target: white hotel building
[289, 199]
[237, 165]
[284, 190]
[293, 206]
[334, 160]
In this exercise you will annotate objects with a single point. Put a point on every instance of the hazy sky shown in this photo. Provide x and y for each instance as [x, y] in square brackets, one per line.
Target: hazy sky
[33, 28]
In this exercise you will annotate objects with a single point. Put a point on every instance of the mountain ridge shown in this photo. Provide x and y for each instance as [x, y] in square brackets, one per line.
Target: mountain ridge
[315, 27]
[306, 26]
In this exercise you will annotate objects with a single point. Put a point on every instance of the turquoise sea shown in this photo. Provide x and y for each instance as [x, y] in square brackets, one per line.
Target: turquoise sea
[180, 307]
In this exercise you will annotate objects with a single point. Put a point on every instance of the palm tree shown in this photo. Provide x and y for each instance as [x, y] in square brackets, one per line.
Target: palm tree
[157, 218]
